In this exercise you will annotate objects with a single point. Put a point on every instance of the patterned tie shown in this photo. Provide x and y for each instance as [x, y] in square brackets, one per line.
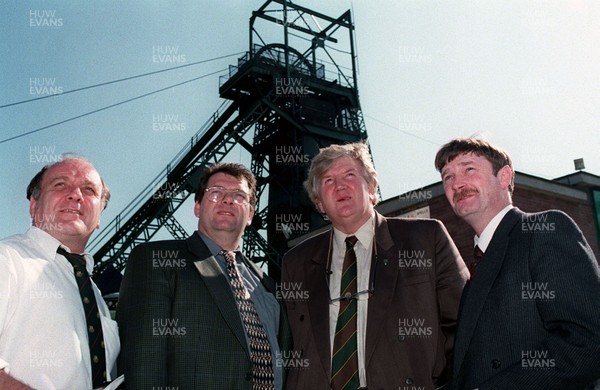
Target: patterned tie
[260, 348]
[92, 317]
[344, 365]
[477, 255]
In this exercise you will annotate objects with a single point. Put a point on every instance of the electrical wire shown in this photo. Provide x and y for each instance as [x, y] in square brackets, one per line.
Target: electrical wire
[402, 131]
[109, 106]
[119, 80]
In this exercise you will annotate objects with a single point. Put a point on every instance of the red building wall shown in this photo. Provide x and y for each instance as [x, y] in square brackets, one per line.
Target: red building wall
[526, 199]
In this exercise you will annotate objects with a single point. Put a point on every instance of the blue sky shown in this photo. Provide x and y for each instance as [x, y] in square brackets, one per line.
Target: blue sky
[522, 73]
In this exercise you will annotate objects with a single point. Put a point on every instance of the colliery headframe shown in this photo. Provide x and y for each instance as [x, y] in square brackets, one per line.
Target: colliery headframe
[294, 91]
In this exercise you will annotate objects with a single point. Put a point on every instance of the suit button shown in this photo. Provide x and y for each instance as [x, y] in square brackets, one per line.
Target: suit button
[495, 364]
[249, 376]
[302, 317]
[409, 381]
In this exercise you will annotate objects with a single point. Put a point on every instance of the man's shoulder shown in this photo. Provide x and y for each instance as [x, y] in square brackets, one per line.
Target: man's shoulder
[542, 230]
[160, 245]
[165, 255]
[20, 243]
[159, 249]
[531, 222]
[412, 225]
[554, 215]
[11, 250]
[310, 244]
[13, 241]
[412, 221]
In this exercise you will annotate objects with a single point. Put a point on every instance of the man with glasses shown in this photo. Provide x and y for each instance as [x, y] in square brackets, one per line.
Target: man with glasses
[196, 313]
[382, 294]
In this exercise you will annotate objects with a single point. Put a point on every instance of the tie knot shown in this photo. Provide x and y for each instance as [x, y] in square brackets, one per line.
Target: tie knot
[75, 259]
[228, 255]
[350, 241]
[477, 252]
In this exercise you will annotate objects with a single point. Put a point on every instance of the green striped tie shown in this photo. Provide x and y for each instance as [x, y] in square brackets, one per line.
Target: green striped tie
[344, 365]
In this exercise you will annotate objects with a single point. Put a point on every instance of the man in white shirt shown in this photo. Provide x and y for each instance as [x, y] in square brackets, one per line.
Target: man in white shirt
[393, 328]
[529, 316]
[44, 333]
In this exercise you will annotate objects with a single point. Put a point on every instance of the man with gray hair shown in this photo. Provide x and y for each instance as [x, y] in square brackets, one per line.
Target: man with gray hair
[55, 329]
[382, 293]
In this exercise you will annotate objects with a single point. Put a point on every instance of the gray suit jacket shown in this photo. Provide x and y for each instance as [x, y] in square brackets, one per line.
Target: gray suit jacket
[530, 318]
[399, 353]
[179, 322]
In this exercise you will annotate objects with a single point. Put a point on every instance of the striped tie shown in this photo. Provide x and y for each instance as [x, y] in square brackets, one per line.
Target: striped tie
[260, 348]
[344, 365]
[92, 317]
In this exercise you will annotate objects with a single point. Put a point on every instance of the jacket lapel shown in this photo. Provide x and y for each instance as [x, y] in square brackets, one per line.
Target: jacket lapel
[218, 287]
[318, 303]
[479, 287]
[384, 272]
[265, 280]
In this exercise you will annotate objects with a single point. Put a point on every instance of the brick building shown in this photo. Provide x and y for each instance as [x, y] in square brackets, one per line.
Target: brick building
[577, 194]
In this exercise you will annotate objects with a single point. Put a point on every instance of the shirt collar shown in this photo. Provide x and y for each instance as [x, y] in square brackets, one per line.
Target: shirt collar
[486, 236]
[212, 246]
[49, 245]
[364, 234]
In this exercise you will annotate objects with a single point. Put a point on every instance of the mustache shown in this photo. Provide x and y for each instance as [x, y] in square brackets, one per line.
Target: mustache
[464, 193]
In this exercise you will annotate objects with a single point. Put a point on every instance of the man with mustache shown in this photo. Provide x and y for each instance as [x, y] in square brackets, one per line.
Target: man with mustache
[196, 313]
[55, 329]
[529, 316]
[380, 294]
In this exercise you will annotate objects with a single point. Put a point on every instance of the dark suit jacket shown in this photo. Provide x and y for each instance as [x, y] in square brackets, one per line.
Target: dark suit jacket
[405, 295]
[530, 318]
[179, 322]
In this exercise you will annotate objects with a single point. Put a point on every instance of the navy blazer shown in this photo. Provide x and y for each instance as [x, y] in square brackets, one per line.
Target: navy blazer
[530, 317]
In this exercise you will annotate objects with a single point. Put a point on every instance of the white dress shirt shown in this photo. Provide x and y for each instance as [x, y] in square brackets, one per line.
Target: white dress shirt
[363, 249]
[486, 235]
[43, 336]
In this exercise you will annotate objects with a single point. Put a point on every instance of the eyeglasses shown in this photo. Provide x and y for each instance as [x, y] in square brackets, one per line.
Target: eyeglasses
[360, 295]
[217, 194]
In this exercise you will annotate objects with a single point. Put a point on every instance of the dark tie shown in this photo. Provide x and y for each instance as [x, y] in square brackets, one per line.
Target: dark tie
[260, 348]
[344, 365]
[477, 256]
[92, 317]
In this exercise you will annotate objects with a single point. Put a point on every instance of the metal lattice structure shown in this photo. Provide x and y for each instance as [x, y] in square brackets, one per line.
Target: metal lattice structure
[293, 92]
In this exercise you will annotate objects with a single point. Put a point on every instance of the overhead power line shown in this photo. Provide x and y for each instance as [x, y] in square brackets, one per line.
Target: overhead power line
[110, 106]
[403, 131]
[118, 81]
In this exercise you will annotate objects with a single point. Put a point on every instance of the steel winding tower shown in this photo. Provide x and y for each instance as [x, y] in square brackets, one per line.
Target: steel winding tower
[296, 88]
